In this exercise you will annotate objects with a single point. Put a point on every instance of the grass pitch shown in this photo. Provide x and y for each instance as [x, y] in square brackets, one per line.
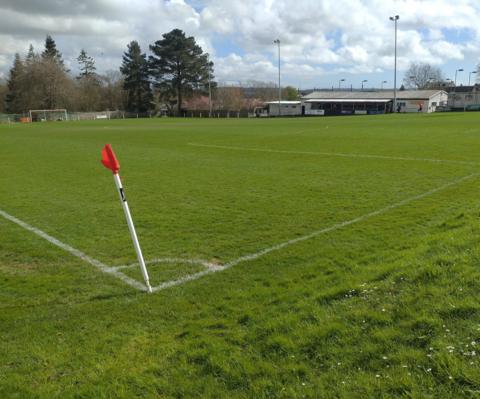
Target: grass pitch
[385, 304]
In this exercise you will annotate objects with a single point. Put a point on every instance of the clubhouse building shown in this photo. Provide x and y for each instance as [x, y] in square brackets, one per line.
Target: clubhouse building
[372, 102]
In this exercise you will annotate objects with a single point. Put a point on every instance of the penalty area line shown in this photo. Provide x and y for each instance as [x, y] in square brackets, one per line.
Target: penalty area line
[75, 252]
[335, 154]
[314, 234]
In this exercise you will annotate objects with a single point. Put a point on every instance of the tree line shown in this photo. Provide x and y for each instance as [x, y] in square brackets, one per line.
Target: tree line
[42, 81]
[176, 74]
[177, 68]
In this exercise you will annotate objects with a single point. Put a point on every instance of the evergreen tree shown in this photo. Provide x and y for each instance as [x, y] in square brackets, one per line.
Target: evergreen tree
[179, 65]
[31, 55]
[135, 70]
[88, 83]
[87, 66]
[14, 86]
[51, 51]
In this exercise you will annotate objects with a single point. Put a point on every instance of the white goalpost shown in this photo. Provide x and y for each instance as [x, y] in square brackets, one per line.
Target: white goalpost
[43, 115]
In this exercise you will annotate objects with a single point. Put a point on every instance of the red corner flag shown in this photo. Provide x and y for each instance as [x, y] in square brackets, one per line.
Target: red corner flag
[109, 159]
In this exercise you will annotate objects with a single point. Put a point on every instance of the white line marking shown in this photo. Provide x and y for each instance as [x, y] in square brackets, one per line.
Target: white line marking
[180, 281]
[334, 154]
[337, 226]
[200, 262]
[210, 267]
[75, 252]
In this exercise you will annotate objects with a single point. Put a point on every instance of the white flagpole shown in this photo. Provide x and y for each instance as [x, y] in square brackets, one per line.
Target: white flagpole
[131, 227]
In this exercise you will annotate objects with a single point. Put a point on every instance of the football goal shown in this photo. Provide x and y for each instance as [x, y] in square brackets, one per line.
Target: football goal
[43, 115]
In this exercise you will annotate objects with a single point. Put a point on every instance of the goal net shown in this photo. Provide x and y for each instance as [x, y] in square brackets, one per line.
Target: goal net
[44, 115]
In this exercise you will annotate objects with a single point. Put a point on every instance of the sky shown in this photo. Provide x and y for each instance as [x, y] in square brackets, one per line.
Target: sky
[321, 41]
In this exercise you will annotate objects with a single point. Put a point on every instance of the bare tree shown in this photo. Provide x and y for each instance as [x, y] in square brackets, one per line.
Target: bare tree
[265, 91]
[54, 84]
[423, 76]
[229, 98]
[113, 96]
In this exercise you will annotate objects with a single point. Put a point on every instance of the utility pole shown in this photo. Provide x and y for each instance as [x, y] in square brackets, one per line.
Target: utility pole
[209, 94]
[277, 41]
[395, 19]
[470, 76]
[455, 85]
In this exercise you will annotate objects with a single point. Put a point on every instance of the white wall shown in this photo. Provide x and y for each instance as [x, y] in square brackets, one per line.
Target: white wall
[286, 109]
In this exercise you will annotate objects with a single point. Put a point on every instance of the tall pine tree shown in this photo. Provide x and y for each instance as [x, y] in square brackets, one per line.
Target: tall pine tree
[179, 65]
[135, 70]
[51, 51]
[87, 66]
[14, 103]
[88, 83]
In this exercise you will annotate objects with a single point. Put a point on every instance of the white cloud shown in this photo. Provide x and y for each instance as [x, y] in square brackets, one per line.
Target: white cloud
[318, 37]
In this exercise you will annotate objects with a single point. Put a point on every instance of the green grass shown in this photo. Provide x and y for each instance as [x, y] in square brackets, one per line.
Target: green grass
[386, 307]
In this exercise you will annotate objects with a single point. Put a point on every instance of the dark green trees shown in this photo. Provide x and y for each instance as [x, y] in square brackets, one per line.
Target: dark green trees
[14, 100]
[51, 52]
[135, 71]
[179, 66]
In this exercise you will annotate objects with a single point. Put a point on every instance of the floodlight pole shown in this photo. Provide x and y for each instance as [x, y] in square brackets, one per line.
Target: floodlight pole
[364, 81]
[277, 42]
[395, 19]
[455, 85]
[456, 71]
[470, 76]
[383, 83]
[209, 94]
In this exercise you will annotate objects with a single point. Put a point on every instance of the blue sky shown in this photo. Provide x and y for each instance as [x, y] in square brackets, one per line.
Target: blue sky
[321, 41]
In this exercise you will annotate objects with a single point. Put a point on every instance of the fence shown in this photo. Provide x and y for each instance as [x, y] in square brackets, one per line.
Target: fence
[215, 114]
[10, 118]
[105, 115]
